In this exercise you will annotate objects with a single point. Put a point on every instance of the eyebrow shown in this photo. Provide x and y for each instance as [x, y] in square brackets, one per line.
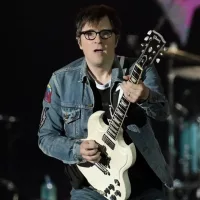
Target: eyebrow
[100, 30]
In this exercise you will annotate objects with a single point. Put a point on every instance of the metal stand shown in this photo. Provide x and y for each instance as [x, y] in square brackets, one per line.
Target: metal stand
[171, 146]
[171, 138]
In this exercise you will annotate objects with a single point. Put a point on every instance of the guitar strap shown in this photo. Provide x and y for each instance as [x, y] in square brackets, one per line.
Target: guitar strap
[121, 61]
[115, 95]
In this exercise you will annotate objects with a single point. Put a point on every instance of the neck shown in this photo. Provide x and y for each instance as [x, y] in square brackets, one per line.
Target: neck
[101, 74]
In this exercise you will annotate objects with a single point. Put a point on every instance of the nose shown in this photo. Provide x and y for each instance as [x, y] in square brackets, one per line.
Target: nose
[98, 39]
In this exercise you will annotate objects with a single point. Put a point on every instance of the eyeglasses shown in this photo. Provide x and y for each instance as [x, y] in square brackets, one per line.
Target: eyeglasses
[91, 35]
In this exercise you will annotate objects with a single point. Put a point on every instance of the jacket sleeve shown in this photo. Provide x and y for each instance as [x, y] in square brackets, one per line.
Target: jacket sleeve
[156, 105]
[51, 138]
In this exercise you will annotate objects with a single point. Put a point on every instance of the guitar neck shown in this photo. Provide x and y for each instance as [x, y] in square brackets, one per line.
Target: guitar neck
[123, 106]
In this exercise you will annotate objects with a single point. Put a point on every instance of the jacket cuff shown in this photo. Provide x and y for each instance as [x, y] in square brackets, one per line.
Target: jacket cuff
[153, 97]
[76, 151]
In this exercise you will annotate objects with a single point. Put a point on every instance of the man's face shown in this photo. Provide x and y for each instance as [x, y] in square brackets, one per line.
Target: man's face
[98, 51]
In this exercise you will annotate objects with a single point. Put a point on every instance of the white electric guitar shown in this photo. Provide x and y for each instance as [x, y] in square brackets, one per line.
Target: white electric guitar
[110, 176]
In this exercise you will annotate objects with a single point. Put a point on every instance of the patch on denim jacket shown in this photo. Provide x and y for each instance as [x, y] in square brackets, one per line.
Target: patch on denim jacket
[47, 96]
[43, 116]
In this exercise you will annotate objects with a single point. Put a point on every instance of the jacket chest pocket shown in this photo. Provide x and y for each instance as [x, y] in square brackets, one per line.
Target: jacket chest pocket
[72, 121]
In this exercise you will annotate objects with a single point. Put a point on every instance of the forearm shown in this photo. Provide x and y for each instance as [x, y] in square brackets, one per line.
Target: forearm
[156, 106]
[60, 147]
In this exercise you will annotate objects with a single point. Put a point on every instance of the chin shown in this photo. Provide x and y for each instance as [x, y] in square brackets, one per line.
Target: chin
[98, 62]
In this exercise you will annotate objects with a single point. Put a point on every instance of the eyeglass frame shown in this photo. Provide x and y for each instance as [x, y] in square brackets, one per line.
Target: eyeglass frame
[98, 32]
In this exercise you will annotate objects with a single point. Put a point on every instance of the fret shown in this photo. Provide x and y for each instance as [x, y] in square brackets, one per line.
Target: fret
[121, 108]
[138, 66]
[135, 71]
[117, 120]
[113, 129]
[115, 126]
[133, 80]
[118, 117]
[135, 77]
[125, 100]
[138, 69]
[119, 112]
[123, 103]
[112, 135]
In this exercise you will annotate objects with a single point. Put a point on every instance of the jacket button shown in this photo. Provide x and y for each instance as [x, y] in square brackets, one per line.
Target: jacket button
[66, 116]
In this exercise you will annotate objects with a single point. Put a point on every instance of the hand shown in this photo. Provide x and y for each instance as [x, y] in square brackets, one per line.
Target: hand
[89, 151]
[134, 92]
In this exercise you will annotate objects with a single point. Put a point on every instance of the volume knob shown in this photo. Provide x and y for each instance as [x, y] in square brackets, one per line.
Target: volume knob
[118, 193]
[117, 182]
[111, 187]
[113, 197]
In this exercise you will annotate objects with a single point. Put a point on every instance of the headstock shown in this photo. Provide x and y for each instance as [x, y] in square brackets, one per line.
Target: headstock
[152, 47]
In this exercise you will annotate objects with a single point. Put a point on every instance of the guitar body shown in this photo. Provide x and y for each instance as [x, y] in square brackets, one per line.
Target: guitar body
[122, 156]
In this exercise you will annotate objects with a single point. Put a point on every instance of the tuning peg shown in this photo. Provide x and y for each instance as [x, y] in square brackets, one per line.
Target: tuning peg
[146, 38]
[158, 46]
[154, 52]
[165, 49]
[149, 32]
[150, 58]
[157, 60]
[142, 45]
[161, 54]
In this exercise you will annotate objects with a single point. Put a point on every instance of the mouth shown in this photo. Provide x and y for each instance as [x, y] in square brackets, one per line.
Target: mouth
[98, 50]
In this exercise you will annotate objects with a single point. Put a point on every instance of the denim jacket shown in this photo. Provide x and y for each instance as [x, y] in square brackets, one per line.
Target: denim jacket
[69, 102]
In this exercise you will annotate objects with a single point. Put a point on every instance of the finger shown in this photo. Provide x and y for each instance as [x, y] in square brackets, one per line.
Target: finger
[91, 144]
[133, 86]
[131, 97]
[127, 87]
[95, 158]
[90, 152]
[126, 91]
[124, 86]
[126, 77]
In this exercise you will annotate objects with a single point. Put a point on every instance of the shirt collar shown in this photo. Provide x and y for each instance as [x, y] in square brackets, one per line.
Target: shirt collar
[117, 72]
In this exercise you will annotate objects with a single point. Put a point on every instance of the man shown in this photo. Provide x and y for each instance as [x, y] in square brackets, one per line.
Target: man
[90, 84]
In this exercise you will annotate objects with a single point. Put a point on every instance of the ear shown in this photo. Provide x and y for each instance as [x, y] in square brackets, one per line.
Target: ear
[79, 42]
[116, 40]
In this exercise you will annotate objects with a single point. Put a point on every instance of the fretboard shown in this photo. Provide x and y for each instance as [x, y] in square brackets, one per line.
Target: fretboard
[123, 106]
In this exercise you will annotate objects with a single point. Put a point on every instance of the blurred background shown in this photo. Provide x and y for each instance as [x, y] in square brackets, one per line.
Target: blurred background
[38, 37]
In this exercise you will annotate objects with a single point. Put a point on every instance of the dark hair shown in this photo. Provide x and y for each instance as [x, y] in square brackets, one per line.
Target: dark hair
[94, 13]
